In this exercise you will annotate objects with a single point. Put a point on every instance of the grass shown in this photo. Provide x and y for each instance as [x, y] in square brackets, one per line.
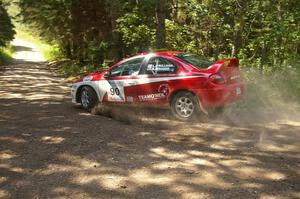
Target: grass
[6, 55]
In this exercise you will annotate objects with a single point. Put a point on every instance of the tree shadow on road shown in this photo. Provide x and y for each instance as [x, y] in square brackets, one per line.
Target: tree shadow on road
[48, 149]
[22, 48]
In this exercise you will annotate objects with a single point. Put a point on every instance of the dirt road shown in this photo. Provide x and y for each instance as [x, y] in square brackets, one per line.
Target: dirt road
[51, 149]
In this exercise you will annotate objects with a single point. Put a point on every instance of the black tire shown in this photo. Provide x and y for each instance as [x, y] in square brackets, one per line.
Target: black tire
[88, 98]
[185, 106]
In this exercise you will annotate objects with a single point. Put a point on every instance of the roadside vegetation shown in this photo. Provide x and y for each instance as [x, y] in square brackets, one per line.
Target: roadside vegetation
[6, 54]
[7, 33]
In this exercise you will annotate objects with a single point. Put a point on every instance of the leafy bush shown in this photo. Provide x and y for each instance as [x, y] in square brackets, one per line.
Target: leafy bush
[71, 68]
[137, 34]
[7, 31]
[6, 55]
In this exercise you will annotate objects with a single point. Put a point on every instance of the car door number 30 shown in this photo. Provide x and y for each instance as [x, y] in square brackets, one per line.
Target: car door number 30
[114, 91]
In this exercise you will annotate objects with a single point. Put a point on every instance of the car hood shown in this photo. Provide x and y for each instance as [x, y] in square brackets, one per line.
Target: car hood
[93, 76]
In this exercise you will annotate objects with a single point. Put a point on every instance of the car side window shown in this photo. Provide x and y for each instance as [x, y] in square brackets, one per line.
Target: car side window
[116, 71]
[159, 65]
[128, 68]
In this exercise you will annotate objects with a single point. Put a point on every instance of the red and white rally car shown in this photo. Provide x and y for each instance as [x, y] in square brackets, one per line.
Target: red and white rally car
[185, 82]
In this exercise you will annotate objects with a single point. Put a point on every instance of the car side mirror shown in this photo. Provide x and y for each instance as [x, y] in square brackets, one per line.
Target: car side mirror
[107, 74]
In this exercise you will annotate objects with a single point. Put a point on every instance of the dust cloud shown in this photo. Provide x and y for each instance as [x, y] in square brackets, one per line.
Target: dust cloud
[268, 99]
[263, 103]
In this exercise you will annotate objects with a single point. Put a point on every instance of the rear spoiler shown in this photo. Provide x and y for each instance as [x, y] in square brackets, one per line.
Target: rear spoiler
[231, 62]
[223, 64]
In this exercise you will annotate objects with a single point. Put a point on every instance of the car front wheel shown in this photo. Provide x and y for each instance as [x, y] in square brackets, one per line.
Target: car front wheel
[88, 98]
[184, 106]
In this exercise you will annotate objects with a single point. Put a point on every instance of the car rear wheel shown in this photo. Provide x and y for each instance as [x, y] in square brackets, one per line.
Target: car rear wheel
[184, 106]
[88, 98]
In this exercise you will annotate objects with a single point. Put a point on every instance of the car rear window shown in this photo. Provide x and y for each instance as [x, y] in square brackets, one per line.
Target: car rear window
[195, 60]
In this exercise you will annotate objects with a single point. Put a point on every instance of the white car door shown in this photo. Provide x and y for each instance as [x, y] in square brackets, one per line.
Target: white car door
[120, 77]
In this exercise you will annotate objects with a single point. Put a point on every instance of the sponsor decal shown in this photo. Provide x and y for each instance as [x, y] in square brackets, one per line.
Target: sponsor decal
[163, 91]
[164, 88]
[161, 67]
[151, 96]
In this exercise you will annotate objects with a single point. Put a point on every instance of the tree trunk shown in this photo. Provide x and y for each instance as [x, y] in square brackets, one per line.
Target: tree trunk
[76, 30]
[160, 28]
[238, 27]
[67, 49]
[114, 13]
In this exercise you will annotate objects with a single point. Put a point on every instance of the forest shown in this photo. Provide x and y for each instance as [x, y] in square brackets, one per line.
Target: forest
[262, 33]
[7, 33]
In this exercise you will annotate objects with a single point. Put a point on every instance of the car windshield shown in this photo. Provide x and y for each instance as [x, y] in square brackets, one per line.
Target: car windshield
[195, 60]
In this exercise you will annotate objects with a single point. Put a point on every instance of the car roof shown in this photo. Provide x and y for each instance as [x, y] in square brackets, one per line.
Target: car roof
[160, 53]
[168, 53]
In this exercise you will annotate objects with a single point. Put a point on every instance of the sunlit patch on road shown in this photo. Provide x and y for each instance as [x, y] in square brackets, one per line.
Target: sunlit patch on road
[26, 51]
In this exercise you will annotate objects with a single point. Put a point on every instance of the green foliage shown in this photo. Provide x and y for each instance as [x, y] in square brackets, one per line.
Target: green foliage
[72, 68]
[6, 27]
[178, 37]
[6, 54]
[136, 34]
[50, 52]
[7, 33]
[255, 31]
[76, 27]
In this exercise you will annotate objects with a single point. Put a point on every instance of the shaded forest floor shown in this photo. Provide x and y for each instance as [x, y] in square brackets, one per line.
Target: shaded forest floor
[51, 149]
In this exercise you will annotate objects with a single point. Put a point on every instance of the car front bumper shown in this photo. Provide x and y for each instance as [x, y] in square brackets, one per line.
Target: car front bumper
[74, 88]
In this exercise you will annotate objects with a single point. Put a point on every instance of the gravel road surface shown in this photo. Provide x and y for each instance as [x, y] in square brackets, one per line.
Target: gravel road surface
[51, 149]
